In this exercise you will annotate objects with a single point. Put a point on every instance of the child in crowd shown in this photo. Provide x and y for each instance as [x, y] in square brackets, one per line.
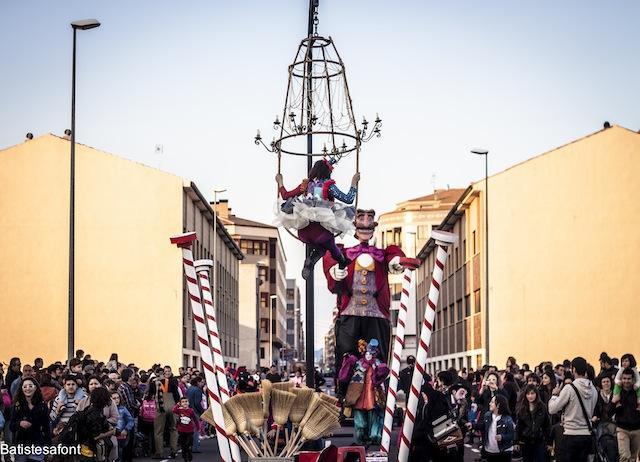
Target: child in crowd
[124, 427]
[187, 424]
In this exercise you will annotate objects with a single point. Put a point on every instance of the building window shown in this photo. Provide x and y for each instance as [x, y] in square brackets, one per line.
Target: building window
[396, 291]
[467, 306]
[262, 274]
[464, 251]
[444, 317]
[264, 299]
[474, 242]
[272, 248]
[397, 236]
[264, 326]
[459, 305]
[272, 276]
[457, 263]
[261, 353]
[252, 247]
[452, 313]
[476, 296]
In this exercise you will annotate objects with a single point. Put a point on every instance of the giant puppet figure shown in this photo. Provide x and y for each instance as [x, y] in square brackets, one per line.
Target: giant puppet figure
[362, 289]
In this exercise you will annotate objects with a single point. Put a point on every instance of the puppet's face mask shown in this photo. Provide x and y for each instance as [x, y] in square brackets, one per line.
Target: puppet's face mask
[372, 349]
[365, 224]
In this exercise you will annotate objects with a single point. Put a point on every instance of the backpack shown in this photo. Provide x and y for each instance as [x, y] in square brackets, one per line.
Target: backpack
[69, 434]
[148, 410]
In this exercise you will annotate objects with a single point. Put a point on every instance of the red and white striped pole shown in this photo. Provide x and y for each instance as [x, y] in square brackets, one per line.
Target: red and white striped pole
[398, 346]
[184, 241]
[443, 241]
[202, 268]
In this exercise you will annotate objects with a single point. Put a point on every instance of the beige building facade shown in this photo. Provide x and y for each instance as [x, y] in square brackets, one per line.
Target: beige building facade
[262, 247]
[409, 226]
[129, 291]
[564, 259]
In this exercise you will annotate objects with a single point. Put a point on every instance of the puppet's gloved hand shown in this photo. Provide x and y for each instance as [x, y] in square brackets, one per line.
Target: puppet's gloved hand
[337, 273]
[394, 266]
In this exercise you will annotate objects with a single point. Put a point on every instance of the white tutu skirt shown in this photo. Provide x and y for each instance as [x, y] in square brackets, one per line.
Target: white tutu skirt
[333, 216]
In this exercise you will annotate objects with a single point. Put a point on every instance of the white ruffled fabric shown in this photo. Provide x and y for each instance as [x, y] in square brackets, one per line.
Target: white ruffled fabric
[333, 216]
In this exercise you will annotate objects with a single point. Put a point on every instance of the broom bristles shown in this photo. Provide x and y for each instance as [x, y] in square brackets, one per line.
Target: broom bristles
[230, 426]
[236, 411]
[283, 386]
[281, 405]
[329, 399]
[252, 405]
[311, 409]
[266, 387]
[301, 403]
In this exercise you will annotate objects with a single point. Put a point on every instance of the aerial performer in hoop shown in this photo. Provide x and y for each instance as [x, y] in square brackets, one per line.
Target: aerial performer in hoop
[319, 211]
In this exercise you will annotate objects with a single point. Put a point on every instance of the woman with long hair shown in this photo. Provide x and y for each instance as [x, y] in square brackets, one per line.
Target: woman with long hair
[94, 431]
[498, 430]
[30, 419]
[549, 382]
[533, 425]
[602, 418]
[110, 411]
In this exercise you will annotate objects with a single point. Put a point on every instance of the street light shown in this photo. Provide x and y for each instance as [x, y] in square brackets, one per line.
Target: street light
[83, 24]
[272, 300]
[485, 153]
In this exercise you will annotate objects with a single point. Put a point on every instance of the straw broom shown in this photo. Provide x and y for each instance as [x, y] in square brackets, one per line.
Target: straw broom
[309, 411]
[283, 386]
[281, 405]
[266, 388]
[231, 428]
[321, 424]
[235, 406]
[299, 408]
[252, 405]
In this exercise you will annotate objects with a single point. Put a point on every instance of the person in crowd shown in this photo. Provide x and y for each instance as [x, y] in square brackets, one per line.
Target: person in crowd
[65, 404]
[603, 421]
[110, 412]
[55, 370]
[606, 367]
[406, 374]
[75, 369]
[93, 430]
[569, 400]
[148, 413]
[38, 364]
[112, 364]
[628, 362]
[298, 379]
[27, 372]
[432, 404]
[29, 419]
[627, 418]
[274, 376]
[491, 386]
[533, 426]
[498, 430]
[124, 427]
[195, 396]
[533, 379]
[187, 426]
[512, 365]
[13, 373]
[511, 389]
[456, 396]
[559, 371]
[549, 382]
[167, 395]
[183, 384]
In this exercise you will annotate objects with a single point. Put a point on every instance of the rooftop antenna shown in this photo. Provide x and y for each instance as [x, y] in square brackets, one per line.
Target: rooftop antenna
[159, 150]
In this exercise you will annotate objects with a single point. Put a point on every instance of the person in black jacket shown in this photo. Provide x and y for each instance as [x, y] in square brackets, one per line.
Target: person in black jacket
[627, 419]
[30, 417]
[605, 426]
[406, 374]
[511, 389]
[533, 426]
[431, 405]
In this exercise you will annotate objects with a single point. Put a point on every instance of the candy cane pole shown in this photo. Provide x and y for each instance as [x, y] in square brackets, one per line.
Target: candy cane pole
[184, 241]
[202, 268]
[398, 345]
[443, 241]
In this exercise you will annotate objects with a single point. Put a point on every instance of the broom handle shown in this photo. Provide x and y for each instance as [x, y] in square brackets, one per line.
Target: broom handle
[297, 447]
[246, 448]
[275, 443]
[255, 447]
[265, 445]
[292, 447]
[294, 435]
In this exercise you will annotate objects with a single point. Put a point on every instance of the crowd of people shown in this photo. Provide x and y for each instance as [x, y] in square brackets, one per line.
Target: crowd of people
[114, 411]
[566, 412]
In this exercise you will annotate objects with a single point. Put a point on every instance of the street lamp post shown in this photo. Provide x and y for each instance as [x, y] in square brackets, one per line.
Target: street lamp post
[485, 153]
[272, 302]
[83, 24]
